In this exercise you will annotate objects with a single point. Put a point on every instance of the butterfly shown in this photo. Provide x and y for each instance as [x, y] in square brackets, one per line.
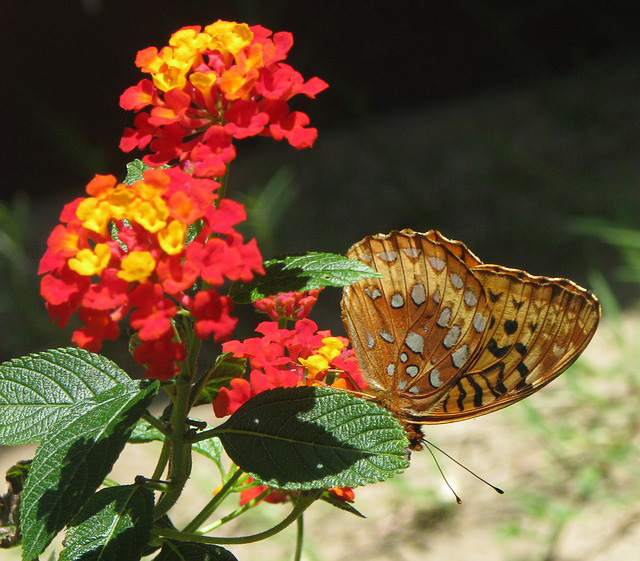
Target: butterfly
[443, 337]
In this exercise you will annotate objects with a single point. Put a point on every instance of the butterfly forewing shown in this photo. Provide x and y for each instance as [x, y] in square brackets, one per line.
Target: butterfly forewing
[442, 337]
[416, 328]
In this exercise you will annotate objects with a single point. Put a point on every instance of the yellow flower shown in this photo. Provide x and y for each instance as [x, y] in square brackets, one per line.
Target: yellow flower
[171, 238]
[137, 266]
[88, 262]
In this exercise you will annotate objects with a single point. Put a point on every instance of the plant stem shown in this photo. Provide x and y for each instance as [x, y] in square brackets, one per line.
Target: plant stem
[179, 448]
[224, 180]
[213, 503]
[236, 512]
[162, 460]
[153, 421]
[299, 536]
[303, 502]
[204, 435]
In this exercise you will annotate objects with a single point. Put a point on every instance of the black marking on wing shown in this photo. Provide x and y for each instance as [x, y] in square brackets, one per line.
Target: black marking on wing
[520, 349]
[494, 297]
[461, 397]
[477, 392]
[495, 350]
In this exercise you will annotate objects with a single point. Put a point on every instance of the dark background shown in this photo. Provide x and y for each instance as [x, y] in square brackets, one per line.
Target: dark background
[510, 125]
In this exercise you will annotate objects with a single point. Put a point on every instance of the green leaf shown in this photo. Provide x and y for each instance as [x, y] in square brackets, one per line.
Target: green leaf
[308, 271]
[114, 525]
[136, 169]
[187, 551]
[342, 505]
[37, 390]
[225, 368]
[145, 432]
[314, 438]
[72, 461]
[212, 449]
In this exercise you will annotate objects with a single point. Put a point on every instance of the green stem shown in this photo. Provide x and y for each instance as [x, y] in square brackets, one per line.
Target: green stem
[204, 435]
[253, 502]
[222, 190]
[299, 536]
[213, 503]
[180, 448]
[153, 421]
[303, 502]
[163, 459]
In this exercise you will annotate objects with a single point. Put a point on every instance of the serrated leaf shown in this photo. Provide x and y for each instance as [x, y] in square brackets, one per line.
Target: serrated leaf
[314, 438]
[37, 390]
[187, 551]
[145, 432]
[342, 505]
[225, 368]
[136, 169]
[299, 273]
[114, 525]
[72, 461]
[210, 448]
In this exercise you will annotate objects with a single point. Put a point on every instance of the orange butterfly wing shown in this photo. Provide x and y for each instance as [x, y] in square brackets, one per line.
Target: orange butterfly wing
[442, 337]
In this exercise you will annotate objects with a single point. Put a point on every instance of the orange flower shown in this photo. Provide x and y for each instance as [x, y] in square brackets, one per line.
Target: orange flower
[211, 85]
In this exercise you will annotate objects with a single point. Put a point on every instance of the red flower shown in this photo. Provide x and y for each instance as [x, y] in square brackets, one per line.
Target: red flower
[288, 305]
[276, 496]
[147, 269]
[210, 86]
[285, 358]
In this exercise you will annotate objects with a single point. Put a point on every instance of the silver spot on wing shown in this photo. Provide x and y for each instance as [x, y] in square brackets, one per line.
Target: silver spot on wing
[397, 300]
[418, 294]
[412, 252]
[412, 370]
[437, 263]
[479, 323]
[386, 336]
[388, 256]
[444, 317]
[470, 299]
[415, 342]
[460, 355]
[436, 296]
[456, 280]
[434, 378]
[452, 336]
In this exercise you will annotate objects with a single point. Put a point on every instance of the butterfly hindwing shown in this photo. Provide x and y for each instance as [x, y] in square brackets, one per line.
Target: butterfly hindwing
[539, 326]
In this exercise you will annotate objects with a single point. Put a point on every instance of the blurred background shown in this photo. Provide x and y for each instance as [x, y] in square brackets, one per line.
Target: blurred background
[511, 126]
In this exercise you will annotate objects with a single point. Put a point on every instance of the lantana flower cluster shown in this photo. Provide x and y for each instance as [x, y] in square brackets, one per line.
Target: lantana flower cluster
[124, 251]
[210, 86]
[288, 306]
[287, 358]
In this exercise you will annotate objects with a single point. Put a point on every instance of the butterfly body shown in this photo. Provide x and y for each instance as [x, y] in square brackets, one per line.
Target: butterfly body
[443, 337]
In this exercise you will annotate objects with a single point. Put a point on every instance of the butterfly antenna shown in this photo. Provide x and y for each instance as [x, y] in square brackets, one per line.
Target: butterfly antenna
[496, 489]
[458, 499]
